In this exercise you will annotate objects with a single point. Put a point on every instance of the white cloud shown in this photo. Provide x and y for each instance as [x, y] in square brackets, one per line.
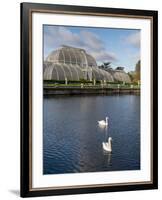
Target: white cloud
[55, 36]
[134, 39]
[91, 40]
[104, 56]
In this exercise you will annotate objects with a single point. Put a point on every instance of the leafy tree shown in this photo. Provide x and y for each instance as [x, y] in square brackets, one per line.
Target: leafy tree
[138, 66]
[131, 75]
[105, 65]
[135, 75]
[138, 70]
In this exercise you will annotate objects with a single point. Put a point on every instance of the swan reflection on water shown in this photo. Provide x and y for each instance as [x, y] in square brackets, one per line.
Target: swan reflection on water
[74, 144]
[109, 157]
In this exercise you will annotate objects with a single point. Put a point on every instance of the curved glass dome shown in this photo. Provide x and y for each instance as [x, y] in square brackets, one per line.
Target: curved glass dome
[71, 55]
[75, 64]
[100, 74]
[59, 71]
[121, 76]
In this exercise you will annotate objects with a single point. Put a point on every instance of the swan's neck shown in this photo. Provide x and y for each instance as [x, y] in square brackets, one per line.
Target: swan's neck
[109, 143]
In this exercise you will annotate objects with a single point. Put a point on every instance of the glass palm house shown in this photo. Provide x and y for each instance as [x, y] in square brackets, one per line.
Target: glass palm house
[70, 63]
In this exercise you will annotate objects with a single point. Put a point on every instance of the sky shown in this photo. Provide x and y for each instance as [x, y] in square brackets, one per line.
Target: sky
[121, 47]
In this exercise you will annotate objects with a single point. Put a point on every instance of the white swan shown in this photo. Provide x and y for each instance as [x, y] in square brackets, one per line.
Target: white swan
[107, 146]
[103, 122]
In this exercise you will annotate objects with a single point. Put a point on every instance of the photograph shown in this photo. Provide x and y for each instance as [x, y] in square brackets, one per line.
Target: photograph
[91, 99]
[88, 99]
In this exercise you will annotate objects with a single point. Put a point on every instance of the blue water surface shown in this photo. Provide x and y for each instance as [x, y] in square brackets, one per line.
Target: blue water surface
[72, 139]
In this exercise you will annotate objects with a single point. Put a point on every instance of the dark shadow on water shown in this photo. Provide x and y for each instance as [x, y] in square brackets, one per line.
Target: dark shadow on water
[15, 192]
[48, 96]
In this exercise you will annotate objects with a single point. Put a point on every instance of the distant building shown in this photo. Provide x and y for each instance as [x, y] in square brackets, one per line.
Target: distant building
[75, 64]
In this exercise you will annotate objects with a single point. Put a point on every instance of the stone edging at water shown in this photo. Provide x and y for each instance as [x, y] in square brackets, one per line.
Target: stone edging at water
[77, 91]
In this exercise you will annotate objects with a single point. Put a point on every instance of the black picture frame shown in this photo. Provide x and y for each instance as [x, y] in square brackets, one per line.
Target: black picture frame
[26, 106]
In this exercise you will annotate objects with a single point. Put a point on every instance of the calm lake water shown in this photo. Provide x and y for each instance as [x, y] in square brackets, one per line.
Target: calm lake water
[72, 139]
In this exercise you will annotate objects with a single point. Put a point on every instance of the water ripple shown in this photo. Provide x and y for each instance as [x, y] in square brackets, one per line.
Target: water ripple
[72, 140]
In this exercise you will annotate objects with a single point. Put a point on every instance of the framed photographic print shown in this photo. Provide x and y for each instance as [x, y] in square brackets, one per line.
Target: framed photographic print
[88, 99]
